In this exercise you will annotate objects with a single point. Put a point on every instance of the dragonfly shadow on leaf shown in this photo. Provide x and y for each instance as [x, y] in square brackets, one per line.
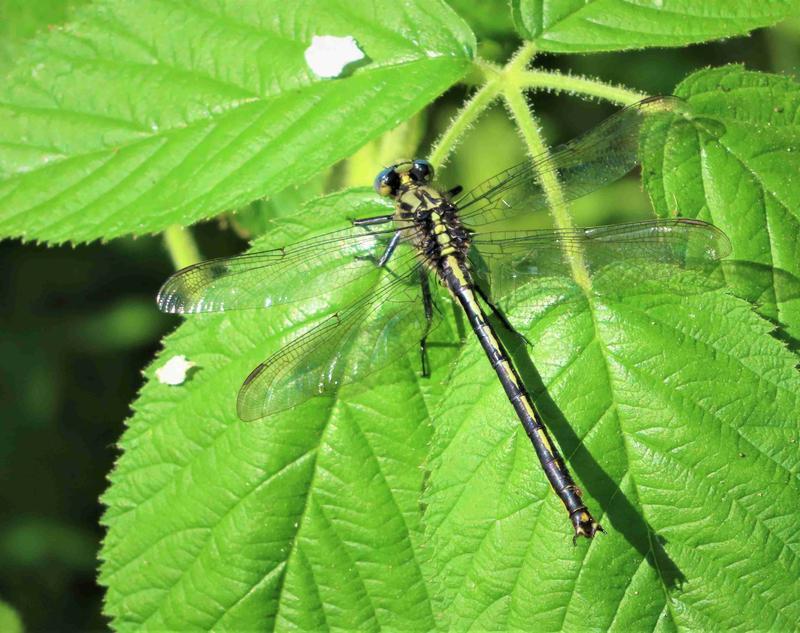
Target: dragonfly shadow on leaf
[624, 517]
[770, 290]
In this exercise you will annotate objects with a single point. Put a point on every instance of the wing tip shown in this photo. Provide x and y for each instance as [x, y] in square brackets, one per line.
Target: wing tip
[722, 246]
[246, 410]
[168, 301]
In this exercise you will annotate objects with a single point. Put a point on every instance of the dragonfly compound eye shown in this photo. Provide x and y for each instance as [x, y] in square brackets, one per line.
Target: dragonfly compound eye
[421, 171]
[387, 182]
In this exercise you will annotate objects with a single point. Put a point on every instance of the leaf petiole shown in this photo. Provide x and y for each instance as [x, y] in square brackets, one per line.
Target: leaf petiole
[181, 246]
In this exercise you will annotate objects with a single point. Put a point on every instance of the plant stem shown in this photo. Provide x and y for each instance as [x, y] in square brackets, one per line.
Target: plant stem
[496, 80]
[181, 246]
[463, 120]
[511, 81]
[520, 60]
[538, 151]
[545, 80]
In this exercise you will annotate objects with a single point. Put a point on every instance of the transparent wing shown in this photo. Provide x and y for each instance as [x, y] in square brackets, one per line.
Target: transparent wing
[344, 348]
[310, 268]
[510, 259]
[599, 157]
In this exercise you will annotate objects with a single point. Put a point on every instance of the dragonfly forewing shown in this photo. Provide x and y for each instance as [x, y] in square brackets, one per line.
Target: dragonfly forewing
[351, 344]
[311, 268]
[599, 157]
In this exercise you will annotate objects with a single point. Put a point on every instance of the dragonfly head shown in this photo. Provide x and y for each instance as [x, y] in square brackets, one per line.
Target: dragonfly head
[403, 175]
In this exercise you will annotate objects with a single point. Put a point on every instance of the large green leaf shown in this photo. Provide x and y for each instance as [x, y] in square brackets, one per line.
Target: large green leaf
[309, 518]
[144, 113]
[737, 166]
[678, 414]
[677, 411]
[20, 19]
[581, 26]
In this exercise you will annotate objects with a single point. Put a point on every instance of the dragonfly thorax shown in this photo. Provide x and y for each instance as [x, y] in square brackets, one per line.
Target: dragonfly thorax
[437, 230]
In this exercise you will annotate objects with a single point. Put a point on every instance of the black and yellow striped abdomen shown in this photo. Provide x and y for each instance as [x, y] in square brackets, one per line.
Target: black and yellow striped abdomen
[443, 244]
[458, 279]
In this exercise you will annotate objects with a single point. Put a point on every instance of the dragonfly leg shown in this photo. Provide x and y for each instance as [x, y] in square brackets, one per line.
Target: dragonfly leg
[427, 303]
[500, 315]
[454, 191]
[378, 219]
[389, 249]
[381, 261]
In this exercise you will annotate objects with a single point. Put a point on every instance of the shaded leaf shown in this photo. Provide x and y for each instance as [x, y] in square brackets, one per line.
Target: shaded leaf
[139, 115]
[491, 18]
[578, 26]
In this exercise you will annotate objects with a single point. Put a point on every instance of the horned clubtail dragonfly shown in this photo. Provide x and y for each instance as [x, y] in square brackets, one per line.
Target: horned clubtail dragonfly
[465, 243]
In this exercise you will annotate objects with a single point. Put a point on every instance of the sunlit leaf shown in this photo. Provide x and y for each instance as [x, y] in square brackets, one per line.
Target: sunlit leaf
[678, 415]
[309, 518]
[141, 114]
[738, 165]
[675, 409]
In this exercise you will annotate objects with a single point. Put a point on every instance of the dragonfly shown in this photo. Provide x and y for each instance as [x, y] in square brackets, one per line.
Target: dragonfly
[466, 243]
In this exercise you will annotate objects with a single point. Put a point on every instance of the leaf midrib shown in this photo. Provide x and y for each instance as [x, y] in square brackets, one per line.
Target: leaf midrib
[604, 354]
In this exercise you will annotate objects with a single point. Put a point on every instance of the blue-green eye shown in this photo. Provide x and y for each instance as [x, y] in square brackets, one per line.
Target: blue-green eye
[387, 182]
[421, 170]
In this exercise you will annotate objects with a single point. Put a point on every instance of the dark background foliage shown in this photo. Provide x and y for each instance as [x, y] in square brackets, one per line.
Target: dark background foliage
[77, 325]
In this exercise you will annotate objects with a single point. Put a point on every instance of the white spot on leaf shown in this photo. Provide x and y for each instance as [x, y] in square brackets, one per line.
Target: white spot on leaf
[328, 55]
[174, 371]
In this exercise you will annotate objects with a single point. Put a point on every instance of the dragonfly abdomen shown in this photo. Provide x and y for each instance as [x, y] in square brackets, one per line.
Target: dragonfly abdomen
[457, 277]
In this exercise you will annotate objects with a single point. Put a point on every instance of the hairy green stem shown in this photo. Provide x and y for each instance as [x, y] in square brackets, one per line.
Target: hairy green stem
[520, 60]
[545, 80]
[462, 121]
[496, 80]
[510, 82]
[181, 246]
[538, 151]
[514, 77]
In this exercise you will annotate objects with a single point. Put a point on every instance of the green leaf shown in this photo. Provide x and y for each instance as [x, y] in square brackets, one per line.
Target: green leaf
[581, 26]
[259, 216]
[678, 415]
[489, 19]
[20, 20]
[737, 166]
[310, 518]
[677, 412]
[141, 114]
[10, 621]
